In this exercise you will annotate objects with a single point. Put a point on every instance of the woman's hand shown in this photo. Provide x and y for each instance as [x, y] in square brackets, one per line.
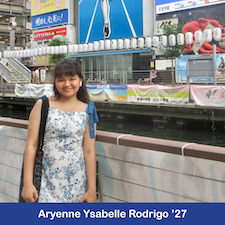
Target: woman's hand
[89, 196]
[29, 193]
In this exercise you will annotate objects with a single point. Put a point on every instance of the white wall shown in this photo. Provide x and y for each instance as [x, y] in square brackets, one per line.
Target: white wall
[127, 174]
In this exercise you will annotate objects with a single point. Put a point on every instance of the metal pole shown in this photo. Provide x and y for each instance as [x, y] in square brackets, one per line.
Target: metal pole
[12, 39]
[104, 62]
[2, 85]
[45, 63]
[181, 77]
[149, 14]
[214, 63]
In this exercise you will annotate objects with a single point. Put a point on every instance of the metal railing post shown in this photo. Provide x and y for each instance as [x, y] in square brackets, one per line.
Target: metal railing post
[3, 92]
[181, 77]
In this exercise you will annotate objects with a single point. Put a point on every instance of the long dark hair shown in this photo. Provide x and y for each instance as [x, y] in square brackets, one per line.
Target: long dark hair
[70, 67]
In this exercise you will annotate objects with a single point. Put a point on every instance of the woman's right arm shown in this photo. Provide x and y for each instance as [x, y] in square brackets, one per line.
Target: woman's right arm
[29, 192]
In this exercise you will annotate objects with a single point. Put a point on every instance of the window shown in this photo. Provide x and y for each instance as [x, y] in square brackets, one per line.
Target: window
[118, 68]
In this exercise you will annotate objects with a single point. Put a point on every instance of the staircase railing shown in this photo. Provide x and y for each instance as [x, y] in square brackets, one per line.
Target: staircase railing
[18, 66]
[5, 72]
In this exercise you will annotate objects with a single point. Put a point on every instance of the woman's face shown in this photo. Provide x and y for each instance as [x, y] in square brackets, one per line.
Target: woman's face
[68, 86]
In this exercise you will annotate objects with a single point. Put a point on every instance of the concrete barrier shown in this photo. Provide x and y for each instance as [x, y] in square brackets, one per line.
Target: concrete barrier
[130, 168]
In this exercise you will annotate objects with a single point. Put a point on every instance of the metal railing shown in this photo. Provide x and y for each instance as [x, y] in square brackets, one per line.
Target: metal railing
[5, 73]
[199, 76]
[115, 77]
[165, 77]
[18, 66]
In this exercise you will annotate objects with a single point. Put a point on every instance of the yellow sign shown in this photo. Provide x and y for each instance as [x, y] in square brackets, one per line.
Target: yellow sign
[45, 6]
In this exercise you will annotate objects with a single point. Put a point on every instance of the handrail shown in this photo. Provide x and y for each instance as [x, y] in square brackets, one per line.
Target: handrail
[156, 144]
[6, 73]
[22, 65]
[18, 66]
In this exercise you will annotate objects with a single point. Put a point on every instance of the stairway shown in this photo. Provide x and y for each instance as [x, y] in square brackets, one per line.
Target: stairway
[20, 73]
[17, 77]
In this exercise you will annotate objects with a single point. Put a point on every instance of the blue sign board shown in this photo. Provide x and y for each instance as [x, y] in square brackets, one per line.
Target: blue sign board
[112, 213]
[50, 19]
[124, 19]
[181, 71]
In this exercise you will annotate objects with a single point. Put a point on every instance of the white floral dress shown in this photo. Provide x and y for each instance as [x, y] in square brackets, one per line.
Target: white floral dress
[63, 173]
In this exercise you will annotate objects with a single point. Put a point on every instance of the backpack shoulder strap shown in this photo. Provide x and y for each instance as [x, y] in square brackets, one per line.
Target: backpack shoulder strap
[44, 114]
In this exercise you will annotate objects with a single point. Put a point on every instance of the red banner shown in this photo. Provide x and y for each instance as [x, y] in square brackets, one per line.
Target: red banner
[47, 34]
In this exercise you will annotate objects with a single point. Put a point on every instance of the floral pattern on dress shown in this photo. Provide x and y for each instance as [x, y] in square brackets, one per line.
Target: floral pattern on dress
[64, 173]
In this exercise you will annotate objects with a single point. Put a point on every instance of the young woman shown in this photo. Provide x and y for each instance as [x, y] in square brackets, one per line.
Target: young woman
[69, 162]
[153, 74]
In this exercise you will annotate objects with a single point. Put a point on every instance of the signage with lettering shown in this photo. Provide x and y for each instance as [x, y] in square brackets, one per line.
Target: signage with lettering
[50, 19]
[45, 6]
[165, 6]
[47, 34]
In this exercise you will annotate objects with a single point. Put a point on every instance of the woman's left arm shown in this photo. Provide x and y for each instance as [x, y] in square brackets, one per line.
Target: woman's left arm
[90, 163]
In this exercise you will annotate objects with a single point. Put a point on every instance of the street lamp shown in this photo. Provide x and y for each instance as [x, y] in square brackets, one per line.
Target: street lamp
[12, 27]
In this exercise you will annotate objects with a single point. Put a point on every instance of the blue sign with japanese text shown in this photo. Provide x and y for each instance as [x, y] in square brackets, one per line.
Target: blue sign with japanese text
[50, 19]
[118, 19]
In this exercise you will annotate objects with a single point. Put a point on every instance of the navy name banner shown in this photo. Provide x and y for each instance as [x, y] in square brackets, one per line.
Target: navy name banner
[111, 213]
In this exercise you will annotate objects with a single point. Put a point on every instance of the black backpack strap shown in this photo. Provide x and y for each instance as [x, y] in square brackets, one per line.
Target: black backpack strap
[44, 114]
[39, 153]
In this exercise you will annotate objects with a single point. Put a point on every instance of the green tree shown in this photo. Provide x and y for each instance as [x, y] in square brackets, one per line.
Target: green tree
[57, 41]
[169, 51]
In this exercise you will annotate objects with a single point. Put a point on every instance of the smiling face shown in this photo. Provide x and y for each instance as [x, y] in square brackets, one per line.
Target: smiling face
[67, 77]
[68, 85]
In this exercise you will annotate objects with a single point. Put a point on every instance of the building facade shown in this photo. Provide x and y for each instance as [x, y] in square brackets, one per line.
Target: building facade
[20, 11]
[113, 39]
